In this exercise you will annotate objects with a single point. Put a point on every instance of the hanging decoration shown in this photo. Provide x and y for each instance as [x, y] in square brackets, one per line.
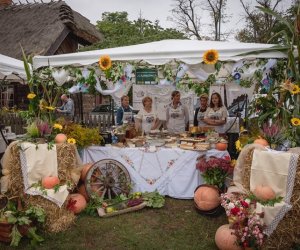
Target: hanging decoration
[211, 56]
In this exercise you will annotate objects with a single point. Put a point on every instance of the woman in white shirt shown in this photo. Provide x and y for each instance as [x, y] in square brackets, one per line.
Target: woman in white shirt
[146, 119]
[216, 113]
[177, 115]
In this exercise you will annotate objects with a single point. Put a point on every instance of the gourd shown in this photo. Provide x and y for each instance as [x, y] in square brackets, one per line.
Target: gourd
[207, 198]
[222, 146]
[225, 239]
[262, 142]
[50, 181]
[264, 193]
[85, 169]
[79, 203]
[60, 138]
[82, 191]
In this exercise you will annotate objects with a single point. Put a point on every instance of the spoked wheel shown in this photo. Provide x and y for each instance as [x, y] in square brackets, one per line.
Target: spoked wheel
[107, 179]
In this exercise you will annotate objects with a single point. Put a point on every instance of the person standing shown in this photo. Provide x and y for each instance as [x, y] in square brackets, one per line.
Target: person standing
[200, 111]
[146, 119]
[177, 114]
[124, 113]
[67, 107]
[216, 114]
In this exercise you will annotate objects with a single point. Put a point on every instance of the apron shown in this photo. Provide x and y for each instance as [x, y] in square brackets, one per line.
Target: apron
[147, 122]
[176, 123]
[200, 117]
[127, 116]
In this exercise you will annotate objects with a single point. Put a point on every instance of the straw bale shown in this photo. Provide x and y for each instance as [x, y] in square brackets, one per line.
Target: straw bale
[58, 219]
[288, 230]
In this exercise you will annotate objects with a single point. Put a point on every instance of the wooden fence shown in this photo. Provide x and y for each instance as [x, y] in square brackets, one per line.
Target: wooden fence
[18, 124]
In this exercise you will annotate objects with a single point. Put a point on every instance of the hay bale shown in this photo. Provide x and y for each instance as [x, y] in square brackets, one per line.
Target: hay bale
[288, 230]
[58, 219]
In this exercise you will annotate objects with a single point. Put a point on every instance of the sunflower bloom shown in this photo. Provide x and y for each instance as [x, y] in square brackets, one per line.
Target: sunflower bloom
[295, 121]
[105, 62]
[57, 126]
[71, 141]
[50, 108]
[30, 96]
[238, 145]
[288, 85]
[211, 56]
[295, 90]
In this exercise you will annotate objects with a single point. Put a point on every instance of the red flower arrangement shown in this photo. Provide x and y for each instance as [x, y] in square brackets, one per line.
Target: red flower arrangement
[214, 170]
[247, 224]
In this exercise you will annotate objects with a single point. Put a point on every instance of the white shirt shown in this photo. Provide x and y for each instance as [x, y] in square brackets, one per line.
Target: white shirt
[147, 118]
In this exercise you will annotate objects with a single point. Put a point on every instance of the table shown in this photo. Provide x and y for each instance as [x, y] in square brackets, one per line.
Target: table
[170, 171]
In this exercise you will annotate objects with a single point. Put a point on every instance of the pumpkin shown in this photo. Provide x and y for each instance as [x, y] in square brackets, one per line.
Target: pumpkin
[82, 191]
[207, 198]
[60, 138]
[264, 193]
[50, 181]
[225, 239]
[76, 203]
[262, 142]
[222, 146]
[85, 169]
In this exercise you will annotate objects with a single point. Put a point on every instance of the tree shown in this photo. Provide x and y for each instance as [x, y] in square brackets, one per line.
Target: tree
[118, 31]
[186, 15]
[260, 27]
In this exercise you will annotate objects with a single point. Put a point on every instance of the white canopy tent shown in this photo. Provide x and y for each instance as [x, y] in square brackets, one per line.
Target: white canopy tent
[162, 52]
[11, 68]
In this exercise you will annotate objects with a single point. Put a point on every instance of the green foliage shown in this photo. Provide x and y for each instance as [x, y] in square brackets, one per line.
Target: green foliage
[119, 31]
[21, 218]
[270, 203]
[153, 199]
[84, 136]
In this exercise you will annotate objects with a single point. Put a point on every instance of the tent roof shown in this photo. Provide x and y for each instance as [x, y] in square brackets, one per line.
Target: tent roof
[11, 68]
[161, 52]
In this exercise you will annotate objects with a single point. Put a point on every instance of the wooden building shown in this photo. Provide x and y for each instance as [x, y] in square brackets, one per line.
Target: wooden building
[41, 29]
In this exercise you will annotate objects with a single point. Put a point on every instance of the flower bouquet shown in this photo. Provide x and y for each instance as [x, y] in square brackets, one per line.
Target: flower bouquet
[214, 170]
[246, 223]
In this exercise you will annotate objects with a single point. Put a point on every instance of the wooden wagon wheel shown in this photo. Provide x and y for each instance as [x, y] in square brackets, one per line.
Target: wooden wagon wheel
[107, 178]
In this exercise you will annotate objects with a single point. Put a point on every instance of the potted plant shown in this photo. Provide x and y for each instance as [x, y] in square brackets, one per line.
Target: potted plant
[214, 170]
[16, 223]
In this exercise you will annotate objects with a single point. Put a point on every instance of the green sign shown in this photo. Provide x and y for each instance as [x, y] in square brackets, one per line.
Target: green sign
[146, 76]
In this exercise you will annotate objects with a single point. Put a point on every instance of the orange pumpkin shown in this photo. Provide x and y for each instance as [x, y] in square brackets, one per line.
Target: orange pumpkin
[207, 198]
[60, 138]
[50, 181]
[78, 203]
[85, 169]
[222, 146]
[262, 142]
[225, 239]
[82, 191]
[264, 193]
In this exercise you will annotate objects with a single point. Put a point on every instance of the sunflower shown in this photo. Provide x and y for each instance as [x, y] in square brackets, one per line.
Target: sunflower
[295, 121]
[50, 108]
[57, 126]
[238, 145]
[211, 56]
[31, 96]
[105, 62]
[71, 141]
[295, 89]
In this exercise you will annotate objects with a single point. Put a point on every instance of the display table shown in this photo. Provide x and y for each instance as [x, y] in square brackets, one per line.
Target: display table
[171, 172]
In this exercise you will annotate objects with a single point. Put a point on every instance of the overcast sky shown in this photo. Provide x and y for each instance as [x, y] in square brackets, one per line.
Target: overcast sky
[156, 9]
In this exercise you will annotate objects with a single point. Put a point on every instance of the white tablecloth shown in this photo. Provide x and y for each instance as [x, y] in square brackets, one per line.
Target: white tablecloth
[171, 172]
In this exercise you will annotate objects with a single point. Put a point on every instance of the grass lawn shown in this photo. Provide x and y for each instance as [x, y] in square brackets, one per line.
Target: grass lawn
[175, 226]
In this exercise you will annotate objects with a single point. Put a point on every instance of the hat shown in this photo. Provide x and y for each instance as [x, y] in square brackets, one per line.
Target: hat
[204, 95]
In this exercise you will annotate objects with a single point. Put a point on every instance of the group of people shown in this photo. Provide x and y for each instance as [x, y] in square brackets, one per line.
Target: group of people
[212, 113]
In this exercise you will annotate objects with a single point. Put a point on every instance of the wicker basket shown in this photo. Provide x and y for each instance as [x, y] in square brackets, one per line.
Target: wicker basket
[102, 213]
